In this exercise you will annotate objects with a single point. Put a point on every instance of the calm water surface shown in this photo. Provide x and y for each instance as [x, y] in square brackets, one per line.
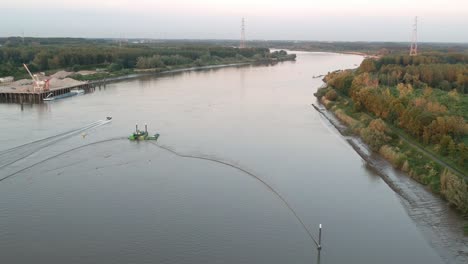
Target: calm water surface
[127, 202]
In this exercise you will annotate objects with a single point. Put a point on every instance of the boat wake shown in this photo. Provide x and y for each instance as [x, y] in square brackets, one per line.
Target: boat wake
[12, 155]
[37, 145]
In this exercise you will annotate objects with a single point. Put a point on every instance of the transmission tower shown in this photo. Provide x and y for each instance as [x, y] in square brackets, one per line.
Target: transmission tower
[414, 39]
[242, 40]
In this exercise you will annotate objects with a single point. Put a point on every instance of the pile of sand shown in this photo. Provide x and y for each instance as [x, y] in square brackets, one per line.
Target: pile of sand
[58, 83]
[26, 85]
[57, 80]
[19, 85]
[21, 82]
[61, 74]
[86, 72]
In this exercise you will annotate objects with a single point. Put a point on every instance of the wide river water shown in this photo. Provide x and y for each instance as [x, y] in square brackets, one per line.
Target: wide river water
[67, 200]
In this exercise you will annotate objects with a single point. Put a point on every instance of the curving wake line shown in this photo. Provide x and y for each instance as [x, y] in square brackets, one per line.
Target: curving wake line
[48, 138]
[60, 154]
[248, 173]
[183, 156]
[10, 156]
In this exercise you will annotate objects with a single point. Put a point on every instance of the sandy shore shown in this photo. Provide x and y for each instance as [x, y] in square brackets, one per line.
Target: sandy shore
[61, 79]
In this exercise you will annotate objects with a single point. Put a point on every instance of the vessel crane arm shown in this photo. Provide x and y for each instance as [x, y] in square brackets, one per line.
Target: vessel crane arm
[30, 74]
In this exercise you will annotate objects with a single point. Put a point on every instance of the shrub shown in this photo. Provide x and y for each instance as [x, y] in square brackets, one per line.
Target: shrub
[375, 135]
[455, 190]
[395, 157]
[331, 95]
[114, 67]
[76, 68]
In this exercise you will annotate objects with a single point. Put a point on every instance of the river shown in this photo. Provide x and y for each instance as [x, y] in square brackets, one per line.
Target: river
[67, 200]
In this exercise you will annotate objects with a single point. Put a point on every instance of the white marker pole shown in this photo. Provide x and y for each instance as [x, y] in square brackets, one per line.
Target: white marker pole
[319, 247]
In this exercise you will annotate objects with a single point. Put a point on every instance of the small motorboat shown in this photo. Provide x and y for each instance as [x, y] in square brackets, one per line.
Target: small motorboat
[78, 91]
[51, 97]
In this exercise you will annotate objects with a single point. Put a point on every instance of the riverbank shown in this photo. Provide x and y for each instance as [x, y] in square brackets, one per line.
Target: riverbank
[440, 223]
[24, 89]
[400, 151]
[153, 72]
[404, 152]
[403, 158]
[157, 72]
[361, 148]
[135, 73]
[259, 103]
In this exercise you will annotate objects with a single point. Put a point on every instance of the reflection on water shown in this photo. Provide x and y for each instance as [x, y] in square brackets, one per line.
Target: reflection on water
[130, 202]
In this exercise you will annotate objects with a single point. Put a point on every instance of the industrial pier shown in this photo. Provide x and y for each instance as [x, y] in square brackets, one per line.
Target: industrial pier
[38, 96]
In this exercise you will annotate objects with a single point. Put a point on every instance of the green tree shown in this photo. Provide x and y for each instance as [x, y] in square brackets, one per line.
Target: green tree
[375, 134]
[444, 144]
[367, 65]
[41, 60]
[463, 154]
[452, 148]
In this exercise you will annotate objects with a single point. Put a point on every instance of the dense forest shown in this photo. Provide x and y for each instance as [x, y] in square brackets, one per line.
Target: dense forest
[423, 99]
[113, 55]
[82, 54]
[423, 95]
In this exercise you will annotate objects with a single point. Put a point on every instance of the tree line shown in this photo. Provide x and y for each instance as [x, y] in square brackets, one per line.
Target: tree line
[442, 71]
[79, 55]
[423, 95]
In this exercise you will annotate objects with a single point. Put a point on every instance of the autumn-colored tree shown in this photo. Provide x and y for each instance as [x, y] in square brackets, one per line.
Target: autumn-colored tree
[375, 134]
[444, 144]
[367, 65]
[405, 89]
[341, 80]
[331, 95]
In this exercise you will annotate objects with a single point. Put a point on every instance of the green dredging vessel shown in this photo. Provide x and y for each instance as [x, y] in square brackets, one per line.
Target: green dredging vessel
[142, 135]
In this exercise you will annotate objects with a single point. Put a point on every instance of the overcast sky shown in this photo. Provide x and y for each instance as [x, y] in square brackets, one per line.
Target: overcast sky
[339, 20]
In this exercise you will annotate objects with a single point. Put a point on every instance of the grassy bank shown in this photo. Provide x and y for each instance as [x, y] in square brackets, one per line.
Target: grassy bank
[403, 154]
[413, 112]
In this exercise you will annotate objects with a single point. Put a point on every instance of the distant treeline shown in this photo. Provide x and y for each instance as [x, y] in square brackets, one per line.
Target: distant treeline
[445, 71]
[371, 48]
[442, 71]
[80, 54]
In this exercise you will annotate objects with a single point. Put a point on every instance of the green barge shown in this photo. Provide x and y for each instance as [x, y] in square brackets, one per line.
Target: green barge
[142, 135]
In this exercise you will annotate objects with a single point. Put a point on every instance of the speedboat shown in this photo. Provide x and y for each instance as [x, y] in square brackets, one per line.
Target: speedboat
[78, 91]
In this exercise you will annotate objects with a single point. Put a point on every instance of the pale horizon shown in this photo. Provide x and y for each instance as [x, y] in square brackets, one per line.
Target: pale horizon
[333, 20]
